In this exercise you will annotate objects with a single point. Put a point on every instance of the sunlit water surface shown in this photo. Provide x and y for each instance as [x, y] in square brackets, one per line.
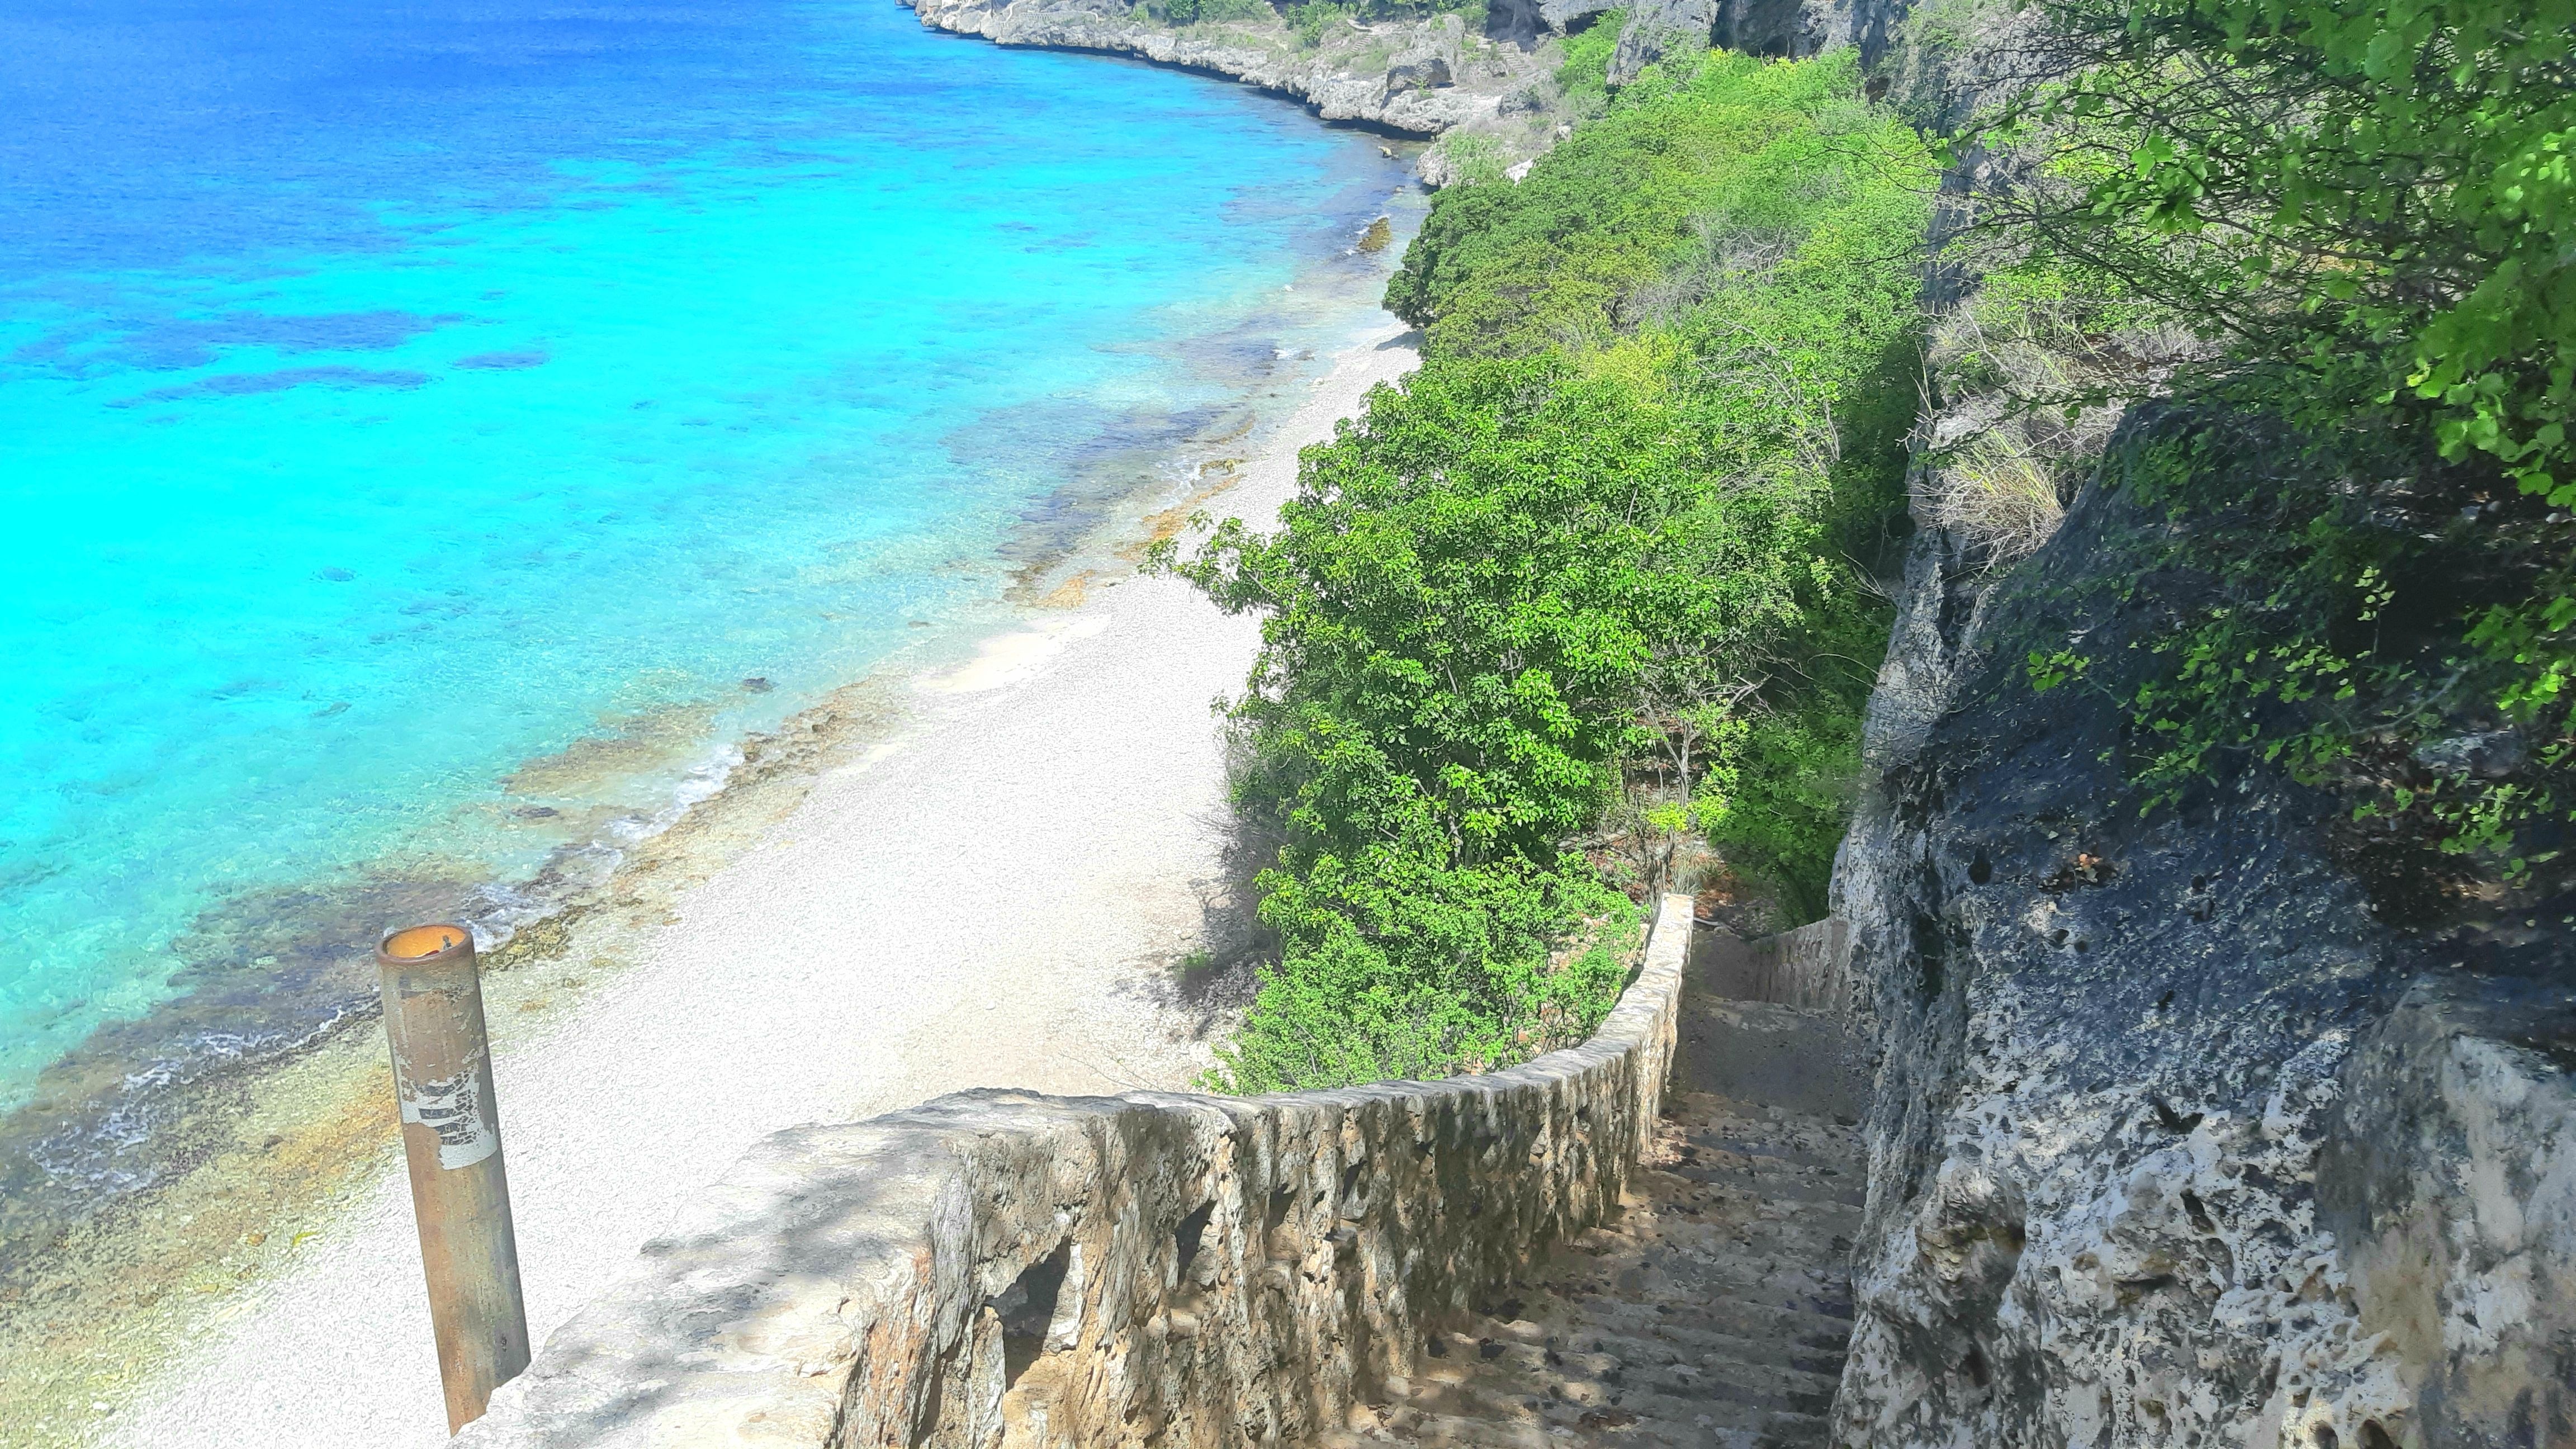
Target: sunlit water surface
[430, 432]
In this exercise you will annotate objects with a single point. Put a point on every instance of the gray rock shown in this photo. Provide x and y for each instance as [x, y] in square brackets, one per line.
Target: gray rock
[2157, 1154]
[1347, 77]
[1430, 60]
[1660, 28]
[2447, 1178]
[2489, 754]
[1522, 22]
[1421, 69]
[1560, 15]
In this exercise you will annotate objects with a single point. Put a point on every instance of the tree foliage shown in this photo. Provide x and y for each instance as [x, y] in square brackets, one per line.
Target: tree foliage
[1592, 561]
[2336, 183]
[2373, 209]
[1474, 588]
[1739, 151]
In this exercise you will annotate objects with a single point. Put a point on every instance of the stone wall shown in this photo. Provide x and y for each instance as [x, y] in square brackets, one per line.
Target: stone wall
[1809, 967]
[1000, 1268]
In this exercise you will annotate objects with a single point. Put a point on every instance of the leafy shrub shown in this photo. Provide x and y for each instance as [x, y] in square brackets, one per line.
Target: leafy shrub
[1403, 968]
[1473, 160]
[1192, 12]
[1466, 599]
[1742, 157]
[2372, 210]
[2033, 369]
[1584, 75]
[1311, 20]
[1789, 797]
[1547, 575]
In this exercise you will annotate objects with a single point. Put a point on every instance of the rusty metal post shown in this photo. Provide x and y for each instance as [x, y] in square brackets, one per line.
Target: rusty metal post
[451, 1133]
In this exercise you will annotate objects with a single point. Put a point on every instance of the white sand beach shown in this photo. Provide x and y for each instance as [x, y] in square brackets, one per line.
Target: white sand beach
[992, 896]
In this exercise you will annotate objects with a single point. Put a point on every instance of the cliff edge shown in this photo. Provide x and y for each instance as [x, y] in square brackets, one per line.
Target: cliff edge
[2183, 1132]
[1491, 73]
[1420, 76]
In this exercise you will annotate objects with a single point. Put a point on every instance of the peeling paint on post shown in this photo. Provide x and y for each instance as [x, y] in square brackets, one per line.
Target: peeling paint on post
[451, 1131]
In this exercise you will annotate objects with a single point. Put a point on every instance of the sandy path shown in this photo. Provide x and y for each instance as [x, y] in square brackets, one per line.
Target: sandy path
[985, 900]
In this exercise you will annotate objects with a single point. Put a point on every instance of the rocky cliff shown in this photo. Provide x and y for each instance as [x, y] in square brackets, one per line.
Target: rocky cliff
[1655, 29]
[2184, 1133]
[1422, 77]
[2191, 1126]
[1430, 75]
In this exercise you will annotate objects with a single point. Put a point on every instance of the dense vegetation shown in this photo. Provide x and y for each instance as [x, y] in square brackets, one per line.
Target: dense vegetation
[1590, 582]
[2370, 212]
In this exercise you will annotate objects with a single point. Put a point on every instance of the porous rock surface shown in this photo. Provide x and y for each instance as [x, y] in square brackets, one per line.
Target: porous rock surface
[1656, 29]
[2173, 1141]
[1001, 1267]
[1422, 77]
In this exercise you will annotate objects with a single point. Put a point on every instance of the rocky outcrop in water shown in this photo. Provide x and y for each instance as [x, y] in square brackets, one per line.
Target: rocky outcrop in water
[1421, 77]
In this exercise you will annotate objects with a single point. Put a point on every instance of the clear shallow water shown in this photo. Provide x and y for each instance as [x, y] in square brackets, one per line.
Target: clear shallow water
[418, 421]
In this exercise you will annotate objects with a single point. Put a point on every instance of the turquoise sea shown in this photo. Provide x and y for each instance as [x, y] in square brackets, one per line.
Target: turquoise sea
[432, 432]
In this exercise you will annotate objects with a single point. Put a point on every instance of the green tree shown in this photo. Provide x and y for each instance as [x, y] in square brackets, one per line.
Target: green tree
[1592, 561]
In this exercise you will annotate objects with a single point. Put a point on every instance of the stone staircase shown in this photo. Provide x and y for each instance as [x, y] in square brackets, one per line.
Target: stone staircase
[1713, 1311]
[1637, 1241]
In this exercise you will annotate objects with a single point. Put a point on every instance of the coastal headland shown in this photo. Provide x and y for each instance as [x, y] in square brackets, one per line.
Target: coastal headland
[1424, 77]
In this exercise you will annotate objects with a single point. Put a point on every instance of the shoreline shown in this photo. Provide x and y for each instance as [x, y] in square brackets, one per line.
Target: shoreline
[115, 1118]
[1419, 79]
[245, 1160]
[305, 1205]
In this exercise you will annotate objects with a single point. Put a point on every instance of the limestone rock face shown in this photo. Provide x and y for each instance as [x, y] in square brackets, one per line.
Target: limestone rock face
[2451, 1179]
[1431, 60]
[1423, 76]
[1660, 28]
[1561, 15]
[2173, 1141]
[1657, 28]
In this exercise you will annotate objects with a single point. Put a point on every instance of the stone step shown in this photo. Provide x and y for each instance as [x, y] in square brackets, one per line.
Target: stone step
[1796, 1308]
[1636, 1414]
[1713, 1312]
[1810, 1365]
